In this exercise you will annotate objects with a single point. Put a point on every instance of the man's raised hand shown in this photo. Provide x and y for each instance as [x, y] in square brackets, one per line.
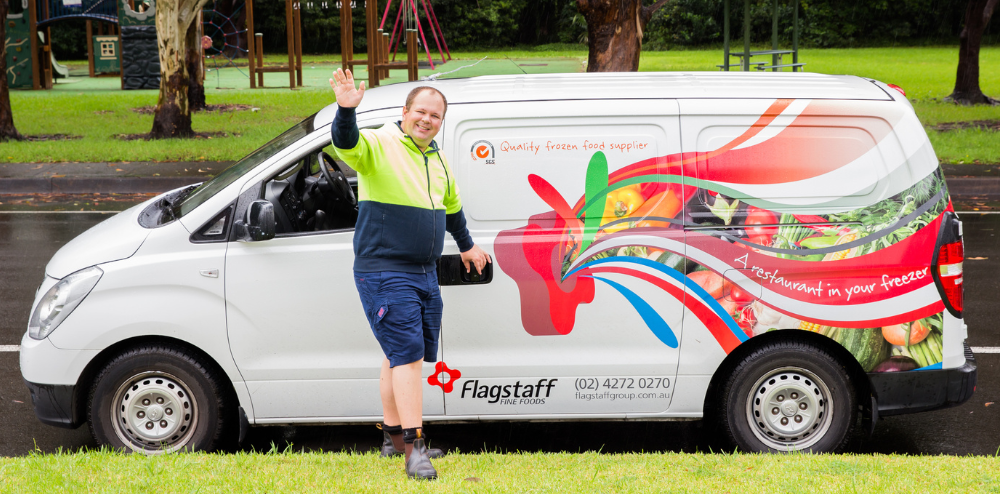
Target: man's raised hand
[343, 85]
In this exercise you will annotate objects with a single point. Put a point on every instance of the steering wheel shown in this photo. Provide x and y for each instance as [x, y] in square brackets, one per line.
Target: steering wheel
[336, 178]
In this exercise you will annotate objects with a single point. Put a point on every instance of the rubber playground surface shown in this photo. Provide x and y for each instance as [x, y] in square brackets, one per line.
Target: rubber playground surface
[315, 76]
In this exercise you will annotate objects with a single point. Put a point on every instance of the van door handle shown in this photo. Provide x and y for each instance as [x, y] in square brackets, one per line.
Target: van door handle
[209, 273]
[451, 271]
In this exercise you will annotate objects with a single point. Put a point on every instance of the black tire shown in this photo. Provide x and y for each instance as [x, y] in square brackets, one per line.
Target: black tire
[157, 399]
[788, 396]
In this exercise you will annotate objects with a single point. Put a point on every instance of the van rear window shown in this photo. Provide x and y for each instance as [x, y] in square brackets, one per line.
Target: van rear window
[801, 161]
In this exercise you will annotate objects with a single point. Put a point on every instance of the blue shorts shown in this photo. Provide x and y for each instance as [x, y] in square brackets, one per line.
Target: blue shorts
[404, 311]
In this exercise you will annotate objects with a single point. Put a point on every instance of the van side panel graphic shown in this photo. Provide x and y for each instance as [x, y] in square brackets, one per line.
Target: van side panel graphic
[752, 262]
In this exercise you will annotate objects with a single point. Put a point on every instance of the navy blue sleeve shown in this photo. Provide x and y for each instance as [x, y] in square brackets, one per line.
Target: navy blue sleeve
[455, 224]
[345, 129]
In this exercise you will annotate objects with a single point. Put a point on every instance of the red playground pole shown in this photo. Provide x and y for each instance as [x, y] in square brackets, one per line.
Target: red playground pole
[433, 17]
[384, 15]
[420, 29]
[392, 38]
[436, 33]
[430, 26]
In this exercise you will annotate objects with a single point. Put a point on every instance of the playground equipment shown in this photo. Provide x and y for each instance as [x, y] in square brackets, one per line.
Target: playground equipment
[139, 53]
[775, 53]
[37, 17]
[378, 63]
[103, 49]
[223, 35]
[18, 46]
[255, 47]
[432, 24]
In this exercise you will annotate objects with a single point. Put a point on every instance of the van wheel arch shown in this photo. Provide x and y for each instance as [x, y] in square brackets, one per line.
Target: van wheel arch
[862, 385]
[87, 378]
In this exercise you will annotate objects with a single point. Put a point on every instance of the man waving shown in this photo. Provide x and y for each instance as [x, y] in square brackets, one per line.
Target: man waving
[407, 199]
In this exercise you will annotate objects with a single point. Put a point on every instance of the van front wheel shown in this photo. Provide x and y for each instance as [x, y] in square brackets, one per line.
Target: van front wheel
[789, 396]
[157, 399]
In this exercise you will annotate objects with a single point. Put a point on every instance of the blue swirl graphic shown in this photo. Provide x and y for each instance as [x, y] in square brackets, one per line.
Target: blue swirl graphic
[653, 321]
[673, 273]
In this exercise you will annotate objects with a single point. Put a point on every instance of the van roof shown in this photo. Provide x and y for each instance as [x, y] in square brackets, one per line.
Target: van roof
[629, 85]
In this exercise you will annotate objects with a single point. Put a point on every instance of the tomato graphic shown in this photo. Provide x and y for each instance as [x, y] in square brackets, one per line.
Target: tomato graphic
[760, 235]
[746, 319]
[737, 294]
[897, 333]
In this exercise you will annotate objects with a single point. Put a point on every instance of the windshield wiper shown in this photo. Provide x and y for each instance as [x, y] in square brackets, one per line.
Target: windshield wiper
[172, 203]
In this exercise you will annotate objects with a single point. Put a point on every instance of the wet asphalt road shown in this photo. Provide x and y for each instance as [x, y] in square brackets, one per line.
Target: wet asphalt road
[28, 240]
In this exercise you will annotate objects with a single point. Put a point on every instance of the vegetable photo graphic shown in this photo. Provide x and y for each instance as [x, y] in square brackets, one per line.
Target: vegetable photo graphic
[750, 265]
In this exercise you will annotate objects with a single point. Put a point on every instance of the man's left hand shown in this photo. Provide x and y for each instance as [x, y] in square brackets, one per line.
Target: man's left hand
[477, 257]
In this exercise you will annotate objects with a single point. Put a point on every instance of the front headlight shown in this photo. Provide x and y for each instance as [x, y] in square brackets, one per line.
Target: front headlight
[57, 303]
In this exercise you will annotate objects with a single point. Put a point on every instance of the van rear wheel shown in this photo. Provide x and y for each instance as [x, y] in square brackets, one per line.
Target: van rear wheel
[789, 396]
[158, 399]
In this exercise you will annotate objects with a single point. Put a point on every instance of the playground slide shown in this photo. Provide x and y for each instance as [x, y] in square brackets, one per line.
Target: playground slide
[59, 71]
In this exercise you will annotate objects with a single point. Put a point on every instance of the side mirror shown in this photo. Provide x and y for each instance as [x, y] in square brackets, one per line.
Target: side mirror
[259, 223]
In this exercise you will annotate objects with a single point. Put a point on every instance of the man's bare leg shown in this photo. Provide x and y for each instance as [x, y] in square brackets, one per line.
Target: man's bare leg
[389, 414]
[407, 393]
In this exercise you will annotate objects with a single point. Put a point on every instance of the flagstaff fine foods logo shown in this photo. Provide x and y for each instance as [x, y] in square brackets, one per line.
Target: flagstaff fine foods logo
[504, 394]
[510, 394]
[483, 150]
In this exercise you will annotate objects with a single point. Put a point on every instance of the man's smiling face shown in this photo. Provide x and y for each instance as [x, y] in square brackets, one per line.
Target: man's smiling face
[422, 120]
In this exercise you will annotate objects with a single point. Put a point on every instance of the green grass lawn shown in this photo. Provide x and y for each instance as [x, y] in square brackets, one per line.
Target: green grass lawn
[97, 110]
[490, 472]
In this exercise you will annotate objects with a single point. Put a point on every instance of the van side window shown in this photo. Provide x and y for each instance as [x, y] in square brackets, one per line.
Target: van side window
[812, 166]
[303, 200]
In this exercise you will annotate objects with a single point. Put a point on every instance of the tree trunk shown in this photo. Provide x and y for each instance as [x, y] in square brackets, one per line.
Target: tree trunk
[7, 129]
[967, 90]
[614, 33]
[173, 112]
[196, 84]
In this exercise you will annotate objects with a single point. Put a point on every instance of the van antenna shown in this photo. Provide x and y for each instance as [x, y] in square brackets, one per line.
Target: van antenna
[434, 77]
[516, 65]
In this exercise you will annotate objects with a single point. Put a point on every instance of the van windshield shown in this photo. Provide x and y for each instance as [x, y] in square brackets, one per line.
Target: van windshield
[208, 189]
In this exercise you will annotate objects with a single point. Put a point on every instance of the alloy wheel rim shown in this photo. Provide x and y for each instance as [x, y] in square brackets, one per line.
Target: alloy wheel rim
[154, 412]
[789, 409]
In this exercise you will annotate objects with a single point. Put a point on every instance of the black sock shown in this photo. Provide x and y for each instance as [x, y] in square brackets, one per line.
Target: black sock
[392, 430]
[411, 434]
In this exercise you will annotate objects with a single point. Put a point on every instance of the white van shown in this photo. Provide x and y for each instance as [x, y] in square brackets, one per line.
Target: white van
[776, 253]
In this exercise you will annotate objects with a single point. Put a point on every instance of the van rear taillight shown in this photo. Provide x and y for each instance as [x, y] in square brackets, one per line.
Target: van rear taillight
[947, 264]
[897, 88]
[949, 268]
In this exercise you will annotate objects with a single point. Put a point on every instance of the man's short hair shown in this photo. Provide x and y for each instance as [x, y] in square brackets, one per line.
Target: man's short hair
[416, 91]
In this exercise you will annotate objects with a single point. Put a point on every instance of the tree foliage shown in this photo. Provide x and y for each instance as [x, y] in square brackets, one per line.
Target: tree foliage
[470, 24]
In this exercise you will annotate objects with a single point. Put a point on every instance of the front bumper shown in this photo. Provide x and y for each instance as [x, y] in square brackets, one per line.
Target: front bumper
[919, 391]
[56, 404]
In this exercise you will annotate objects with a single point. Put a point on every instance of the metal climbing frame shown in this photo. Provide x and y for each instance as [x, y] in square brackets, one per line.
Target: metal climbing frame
[220, 29]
